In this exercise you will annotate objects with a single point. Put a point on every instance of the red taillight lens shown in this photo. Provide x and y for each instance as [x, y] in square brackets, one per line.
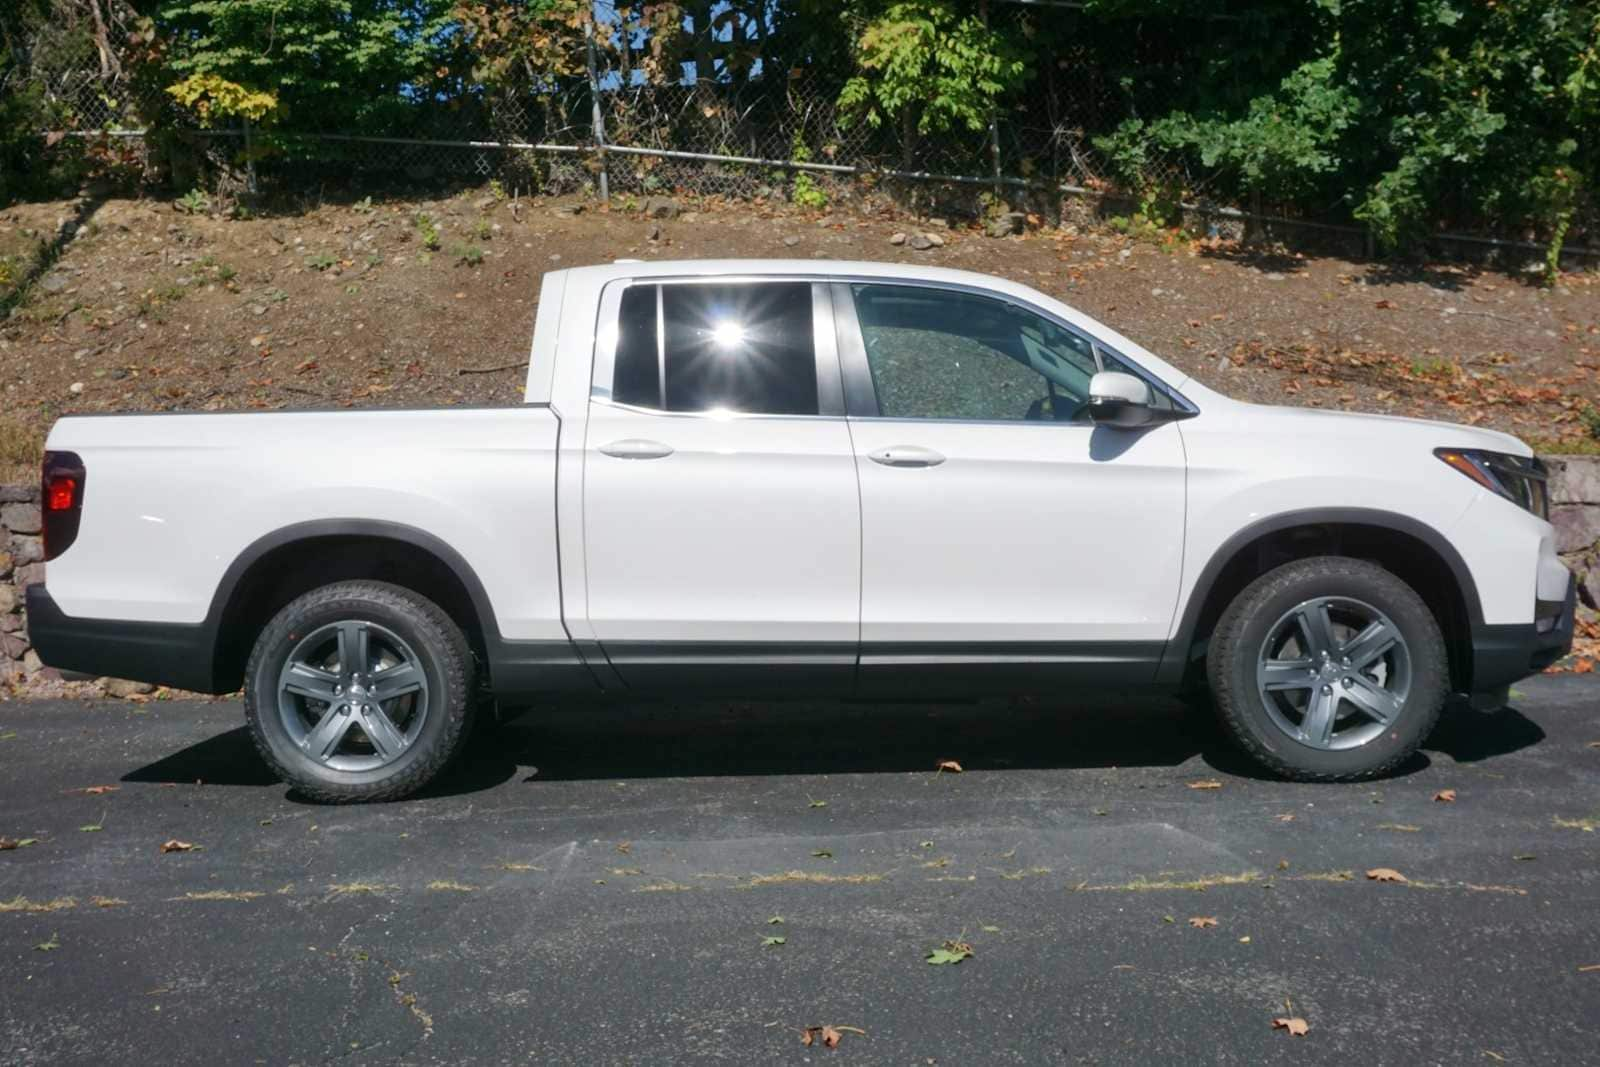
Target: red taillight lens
[61, 491]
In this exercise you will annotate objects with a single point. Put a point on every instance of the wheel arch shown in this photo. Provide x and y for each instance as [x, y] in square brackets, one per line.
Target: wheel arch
[276, 568]
[1413, 550]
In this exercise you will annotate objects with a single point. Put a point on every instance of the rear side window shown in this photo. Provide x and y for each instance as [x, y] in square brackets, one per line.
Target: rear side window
[744, 348]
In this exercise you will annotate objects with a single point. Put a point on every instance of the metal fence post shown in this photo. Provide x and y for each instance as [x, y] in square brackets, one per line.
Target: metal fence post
[994, 123]
[597, 118]
[249, 160]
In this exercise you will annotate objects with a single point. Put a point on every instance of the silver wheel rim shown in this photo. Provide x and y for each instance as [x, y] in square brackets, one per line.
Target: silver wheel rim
[353, 696]
[1334, 673]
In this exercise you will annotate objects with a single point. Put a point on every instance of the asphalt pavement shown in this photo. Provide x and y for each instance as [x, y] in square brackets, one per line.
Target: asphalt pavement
[602, 884]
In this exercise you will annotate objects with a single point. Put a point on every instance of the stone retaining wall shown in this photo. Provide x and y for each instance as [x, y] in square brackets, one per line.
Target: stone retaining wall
[1575, 511]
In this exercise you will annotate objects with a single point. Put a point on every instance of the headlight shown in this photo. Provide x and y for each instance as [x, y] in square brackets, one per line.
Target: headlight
[1522, 480]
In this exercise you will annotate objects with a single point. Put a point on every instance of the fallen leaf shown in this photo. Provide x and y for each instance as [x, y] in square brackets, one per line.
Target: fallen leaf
[1200, 922]
[1525, 856]
[48, 946]
[948, 765]
[819, 803]
[823, 854]
[96, 790]
[8, 844]
[1589, 967]
[776, 920]
[950, 952]
[1445, 796]
[769, 942]
[1583, 666]
[1297, 1027]
[1245, 940]
[91, 828]
[1205, 783]
[1285, 817]
[175, 845]
[830, 1036]
[1386, 874]
[1384, 304]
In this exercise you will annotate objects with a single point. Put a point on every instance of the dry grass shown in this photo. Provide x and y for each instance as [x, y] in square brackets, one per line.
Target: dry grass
[1410, 883]
[34, 907]
[347, 889]
[1026, 872]
[1588, 826]
[811, 878]
[222, 894]
[1145, 885]
[21, 448]
[666, 885]
[451, 887]
[108, 902]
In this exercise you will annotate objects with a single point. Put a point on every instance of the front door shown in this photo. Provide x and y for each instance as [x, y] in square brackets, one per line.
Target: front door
[1005, 538]
[722, 523]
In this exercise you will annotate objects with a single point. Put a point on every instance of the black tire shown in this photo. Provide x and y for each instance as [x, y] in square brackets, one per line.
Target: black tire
[1245, 628]
[443, 657]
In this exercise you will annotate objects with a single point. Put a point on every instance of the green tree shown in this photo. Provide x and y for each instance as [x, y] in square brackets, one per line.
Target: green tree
[932, 66]
[352, 66]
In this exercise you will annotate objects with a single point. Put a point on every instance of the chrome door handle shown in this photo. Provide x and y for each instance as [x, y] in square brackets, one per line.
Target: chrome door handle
[906, 456]
[636, 448]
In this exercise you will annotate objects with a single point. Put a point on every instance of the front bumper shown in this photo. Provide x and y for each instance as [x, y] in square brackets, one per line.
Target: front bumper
[1505, 654]
[161, 653]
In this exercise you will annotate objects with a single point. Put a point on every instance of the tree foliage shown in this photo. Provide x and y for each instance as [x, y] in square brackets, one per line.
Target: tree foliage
[935, 64]
[330, 64]
[1401, 114]
[1404, 114]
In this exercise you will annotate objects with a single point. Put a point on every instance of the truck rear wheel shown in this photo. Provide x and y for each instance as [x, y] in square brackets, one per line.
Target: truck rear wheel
[1328, 669]
[359, 691]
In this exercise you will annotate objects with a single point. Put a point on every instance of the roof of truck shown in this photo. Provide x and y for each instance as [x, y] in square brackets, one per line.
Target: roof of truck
[678, 268]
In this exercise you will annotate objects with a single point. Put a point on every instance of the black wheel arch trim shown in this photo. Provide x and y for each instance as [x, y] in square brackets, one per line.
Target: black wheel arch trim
[285, 536]
[516, 668]
[1175, 661]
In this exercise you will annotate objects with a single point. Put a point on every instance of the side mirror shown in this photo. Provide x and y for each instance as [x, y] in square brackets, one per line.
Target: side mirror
[1117, 399]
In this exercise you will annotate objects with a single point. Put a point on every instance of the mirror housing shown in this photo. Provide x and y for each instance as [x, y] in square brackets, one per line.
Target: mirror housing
[1121, 400]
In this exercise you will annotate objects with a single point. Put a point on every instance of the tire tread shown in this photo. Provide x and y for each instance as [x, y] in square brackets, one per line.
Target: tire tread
[1429, 661]
[455, 663]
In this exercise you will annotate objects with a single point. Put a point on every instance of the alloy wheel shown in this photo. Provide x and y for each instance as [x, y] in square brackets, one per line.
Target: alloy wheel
[353, 695]
[1334, 672]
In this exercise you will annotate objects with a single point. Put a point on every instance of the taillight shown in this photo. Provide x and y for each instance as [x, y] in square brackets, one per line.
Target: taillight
[61, 496]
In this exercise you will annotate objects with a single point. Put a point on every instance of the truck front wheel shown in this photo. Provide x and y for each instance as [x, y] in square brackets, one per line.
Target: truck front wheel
[1328, 669]
[359, 691]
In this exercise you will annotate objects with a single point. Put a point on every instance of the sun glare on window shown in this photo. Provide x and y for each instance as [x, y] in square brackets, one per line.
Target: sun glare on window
[727, 334]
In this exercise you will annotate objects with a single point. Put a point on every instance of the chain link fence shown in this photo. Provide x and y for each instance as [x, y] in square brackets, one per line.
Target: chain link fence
[760, 131]
[733, 137]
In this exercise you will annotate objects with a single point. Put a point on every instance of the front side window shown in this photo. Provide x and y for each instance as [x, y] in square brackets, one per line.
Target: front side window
[942, 354]
[742, 348]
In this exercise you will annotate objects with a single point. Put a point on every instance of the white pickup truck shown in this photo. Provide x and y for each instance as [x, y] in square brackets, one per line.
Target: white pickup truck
[801, 478]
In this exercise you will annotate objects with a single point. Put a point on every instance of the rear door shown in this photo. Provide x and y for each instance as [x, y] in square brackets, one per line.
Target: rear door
[722, 521]
[1006, 540]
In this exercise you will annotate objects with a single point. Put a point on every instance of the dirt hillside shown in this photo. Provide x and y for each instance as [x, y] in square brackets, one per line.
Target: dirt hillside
[407, 302]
